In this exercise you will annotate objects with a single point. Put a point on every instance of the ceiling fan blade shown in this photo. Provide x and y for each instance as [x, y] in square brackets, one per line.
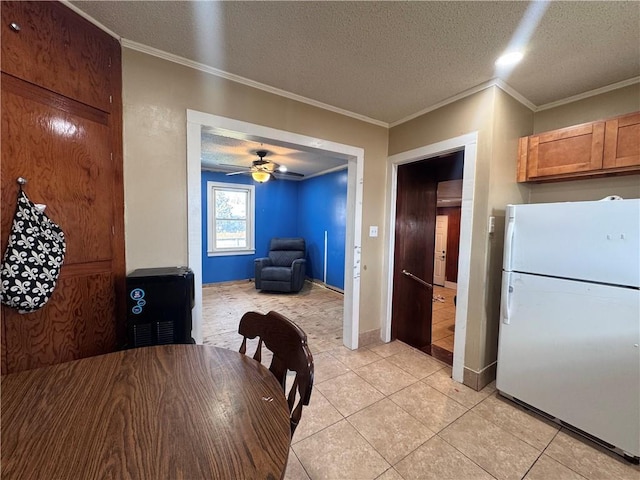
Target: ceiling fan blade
[230, 165]
[238, 173]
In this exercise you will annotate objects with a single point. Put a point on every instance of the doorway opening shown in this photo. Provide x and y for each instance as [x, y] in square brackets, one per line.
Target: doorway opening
[420, 254]
[242, 130]
[445, 272]
[466, 145]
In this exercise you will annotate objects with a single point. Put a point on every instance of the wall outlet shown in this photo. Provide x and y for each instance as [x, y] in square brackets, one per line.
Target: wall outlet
[373, 231]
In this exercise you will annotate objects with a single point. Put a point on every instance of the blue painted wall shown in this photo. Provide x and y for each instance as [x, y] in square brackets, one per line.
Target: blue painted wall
[322, 206]
[287, 209]
[276, 216]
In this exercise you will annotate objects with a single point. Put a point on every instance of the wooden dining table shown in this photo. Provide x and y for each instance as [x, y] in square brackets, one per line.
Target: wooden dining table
[162, 412]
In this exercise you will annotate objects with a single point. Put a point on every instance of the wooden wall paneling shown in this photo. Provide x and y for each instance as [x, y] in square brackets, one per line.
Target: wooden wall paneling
[46, 336]
[118, 266]
[96, 334]
[66, 139]
[58, 50]
[65, 156]
[67, 164]
[76, 323]
[3, 345]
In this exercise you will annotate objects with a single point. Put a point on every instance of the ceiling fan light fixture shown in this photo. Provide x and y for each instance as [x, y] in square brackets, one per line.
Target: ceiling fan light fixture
[260, 176]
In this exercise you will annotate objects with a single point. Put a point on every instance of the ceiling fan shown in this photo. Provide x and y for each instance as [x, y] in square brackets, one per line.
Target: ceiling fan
[262, 170]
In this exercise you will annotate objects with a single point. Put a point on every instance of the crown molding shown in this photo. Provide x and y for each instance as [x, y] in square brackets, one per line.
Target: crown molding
[327, 171]
[509, 90]
[590, 93]
[245, 81]
[496, 82]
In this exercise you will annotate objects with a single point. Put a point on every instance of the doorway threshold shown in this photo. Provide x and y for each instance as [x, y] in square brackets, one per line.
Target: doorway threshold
[439, 353]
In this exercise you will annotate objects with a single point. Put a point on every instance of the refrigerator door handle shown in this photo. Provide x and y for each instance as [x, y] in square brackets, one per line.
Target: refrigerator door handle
[505, 298]
[508, 238]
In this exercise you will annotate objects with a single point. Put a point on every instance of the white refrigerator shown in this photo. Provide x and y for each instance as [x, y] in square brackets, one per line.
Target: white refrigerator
[570, 316]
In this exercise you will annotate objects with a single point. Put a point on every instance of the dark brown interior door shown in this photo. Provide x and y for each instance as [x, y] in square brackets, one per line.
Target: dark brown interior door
[413, 258]
[414, 245]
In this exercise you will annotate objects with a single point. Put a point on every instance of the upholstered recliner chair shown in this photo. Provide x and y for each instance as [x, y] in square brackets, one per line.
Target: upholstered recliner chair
[285, 267]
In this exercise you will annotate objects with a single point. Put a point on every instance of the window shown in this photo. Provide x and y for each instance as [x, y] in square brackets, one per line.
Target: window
[230, 219]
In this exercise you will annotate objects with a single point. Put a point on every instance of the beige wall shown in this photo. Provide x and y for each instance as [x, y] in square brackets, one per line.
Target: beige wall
[512, 120]
[600, 107]
[500, 121]
[156, 96]
[157, 93]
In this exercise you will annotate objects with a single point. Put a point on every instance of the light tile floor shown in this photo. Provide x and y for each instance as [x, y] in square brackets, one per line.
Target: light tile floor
[390, 412]
[443, 318]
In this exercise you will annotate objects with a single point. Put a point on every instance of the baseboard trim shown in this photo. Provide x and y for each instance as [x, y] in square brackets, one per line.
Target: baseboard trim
[369, 338]
[452, 285]
[479, 380]
[229, 282]
[320, 283]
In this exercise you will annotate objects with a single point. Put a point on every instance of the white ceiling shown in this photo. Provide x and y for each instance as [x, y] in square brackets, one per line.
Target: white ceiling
[386, 62]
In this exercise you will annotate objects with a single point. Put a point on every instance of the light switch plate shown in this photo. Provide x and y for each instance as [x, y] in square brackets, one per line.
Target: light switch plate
[373, 231]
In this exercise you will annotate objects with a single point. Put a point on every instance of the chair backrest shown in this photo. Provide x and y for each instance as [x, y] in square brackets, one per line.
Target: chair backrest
[288, 343]
[283, 251]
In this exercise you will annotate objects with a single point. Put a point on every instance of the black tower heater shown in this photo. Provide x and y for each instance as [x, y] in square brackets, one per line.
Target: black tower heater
[159, 304]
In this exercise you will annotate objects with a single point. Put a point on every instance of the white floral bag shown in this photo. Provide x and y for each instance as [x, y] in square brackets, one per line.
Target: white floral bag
[34, 256]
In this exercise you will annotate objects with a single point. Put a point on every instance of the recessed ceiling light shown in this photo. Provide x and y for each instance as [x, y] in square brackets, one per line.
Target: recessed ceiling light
[510, 58]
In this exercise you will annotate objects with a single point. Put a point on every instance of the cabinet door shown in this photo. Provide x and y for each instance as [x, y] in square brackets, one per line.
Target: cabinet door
[566, 151]
[63, 148]
[44, 44]
[622, 142]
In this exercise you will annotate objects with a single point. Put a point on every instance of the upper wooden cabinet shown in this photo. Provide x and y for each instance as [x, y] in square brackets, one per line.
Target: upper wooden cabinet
[62, 53]
[622, 142]
[610, 147]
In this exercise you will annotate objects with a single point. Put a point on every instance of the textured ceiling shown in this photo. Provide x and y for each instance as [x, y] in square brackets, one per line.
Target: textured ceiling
[382, 61]
[387, 61]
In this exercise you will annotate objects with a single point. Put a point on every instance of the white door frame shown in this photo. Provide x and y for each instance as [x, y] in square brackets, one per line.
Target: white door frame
[235, 128]
[468, 143]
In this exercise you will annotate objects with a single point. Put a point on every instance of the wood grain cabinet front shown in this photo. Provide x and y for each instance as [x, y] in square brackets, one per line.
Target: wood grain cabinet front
[622, 142]
[61, 103]
[57, 51]
[596, 149]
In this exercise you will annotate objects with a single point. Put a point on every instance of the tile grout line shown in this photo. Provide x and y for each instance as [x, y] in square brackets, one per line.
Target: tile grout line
[463, 454]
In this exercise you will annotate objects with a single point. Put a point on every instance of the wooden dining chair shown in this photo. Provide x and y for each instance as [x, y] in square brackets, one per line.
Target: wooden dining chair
[288, 343]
